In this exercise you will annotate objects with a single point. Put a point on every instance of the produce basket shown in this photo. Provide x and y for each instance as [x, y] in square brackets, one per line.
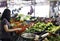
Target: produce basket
[28, 36]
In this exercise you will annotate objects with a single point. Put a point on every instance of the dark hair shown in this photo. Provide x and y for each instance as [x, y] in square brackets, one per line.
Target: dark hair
[6, 14]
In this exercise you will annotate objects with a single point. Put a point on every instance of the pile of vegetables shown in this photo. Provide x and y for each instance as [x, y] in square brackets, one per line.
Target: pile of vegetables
[51, 28]
[41, 26]
[19, 16]
[36, 27]
[23, 17]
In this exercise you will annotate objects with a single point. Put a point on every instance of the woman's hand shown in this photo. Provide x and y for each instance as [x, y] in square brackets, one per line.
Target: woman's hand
[18, 28]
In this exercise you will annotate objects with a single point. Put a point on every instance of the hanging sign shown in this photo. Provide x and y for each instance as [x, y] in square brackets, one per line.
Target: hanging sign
[3, 3]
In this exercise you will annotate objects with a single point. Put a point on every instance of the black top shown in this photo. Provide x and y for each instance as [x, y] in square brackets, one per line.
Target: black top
[4, 33]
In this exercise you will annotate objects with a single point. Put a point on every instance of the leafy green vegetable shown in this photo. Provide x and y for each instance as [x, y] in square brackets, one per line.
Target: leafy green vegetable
[37, 27]
[54, 38]
[41, 26]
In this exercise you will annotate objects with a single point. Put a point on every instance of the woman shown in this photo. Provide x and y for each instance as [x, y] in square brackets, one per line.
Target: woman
[6, 28]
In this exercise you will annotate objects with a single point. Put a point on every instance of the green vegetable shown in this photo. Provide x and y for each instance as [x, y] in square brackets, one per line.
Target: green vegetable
[40, 26]
[54, 38]
[37, 27]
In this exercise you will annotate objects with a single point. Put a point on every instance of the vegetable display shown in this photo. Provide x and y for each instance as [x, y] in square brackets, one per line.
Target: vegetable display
[49, 27]
[41, 26]
[36, 27]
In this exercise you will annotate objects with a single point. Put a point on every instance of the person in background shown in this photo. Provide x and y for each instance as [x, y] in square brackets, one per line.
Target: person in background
[5, 25]
[31, 10]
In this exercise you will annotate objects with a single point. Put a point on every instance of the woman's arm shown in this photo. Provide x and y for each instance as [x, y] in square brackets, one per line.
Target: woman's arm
[10, 30]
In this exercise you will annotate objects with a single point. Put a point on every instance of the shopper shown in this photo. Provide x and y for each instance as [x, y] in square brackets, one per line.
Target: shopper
[6, 28]
[31, 10]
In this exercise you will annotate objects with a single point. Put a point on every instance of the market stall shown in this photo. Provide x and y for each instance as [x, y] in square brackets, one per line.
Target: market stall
[36, 27]
[36, 21]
